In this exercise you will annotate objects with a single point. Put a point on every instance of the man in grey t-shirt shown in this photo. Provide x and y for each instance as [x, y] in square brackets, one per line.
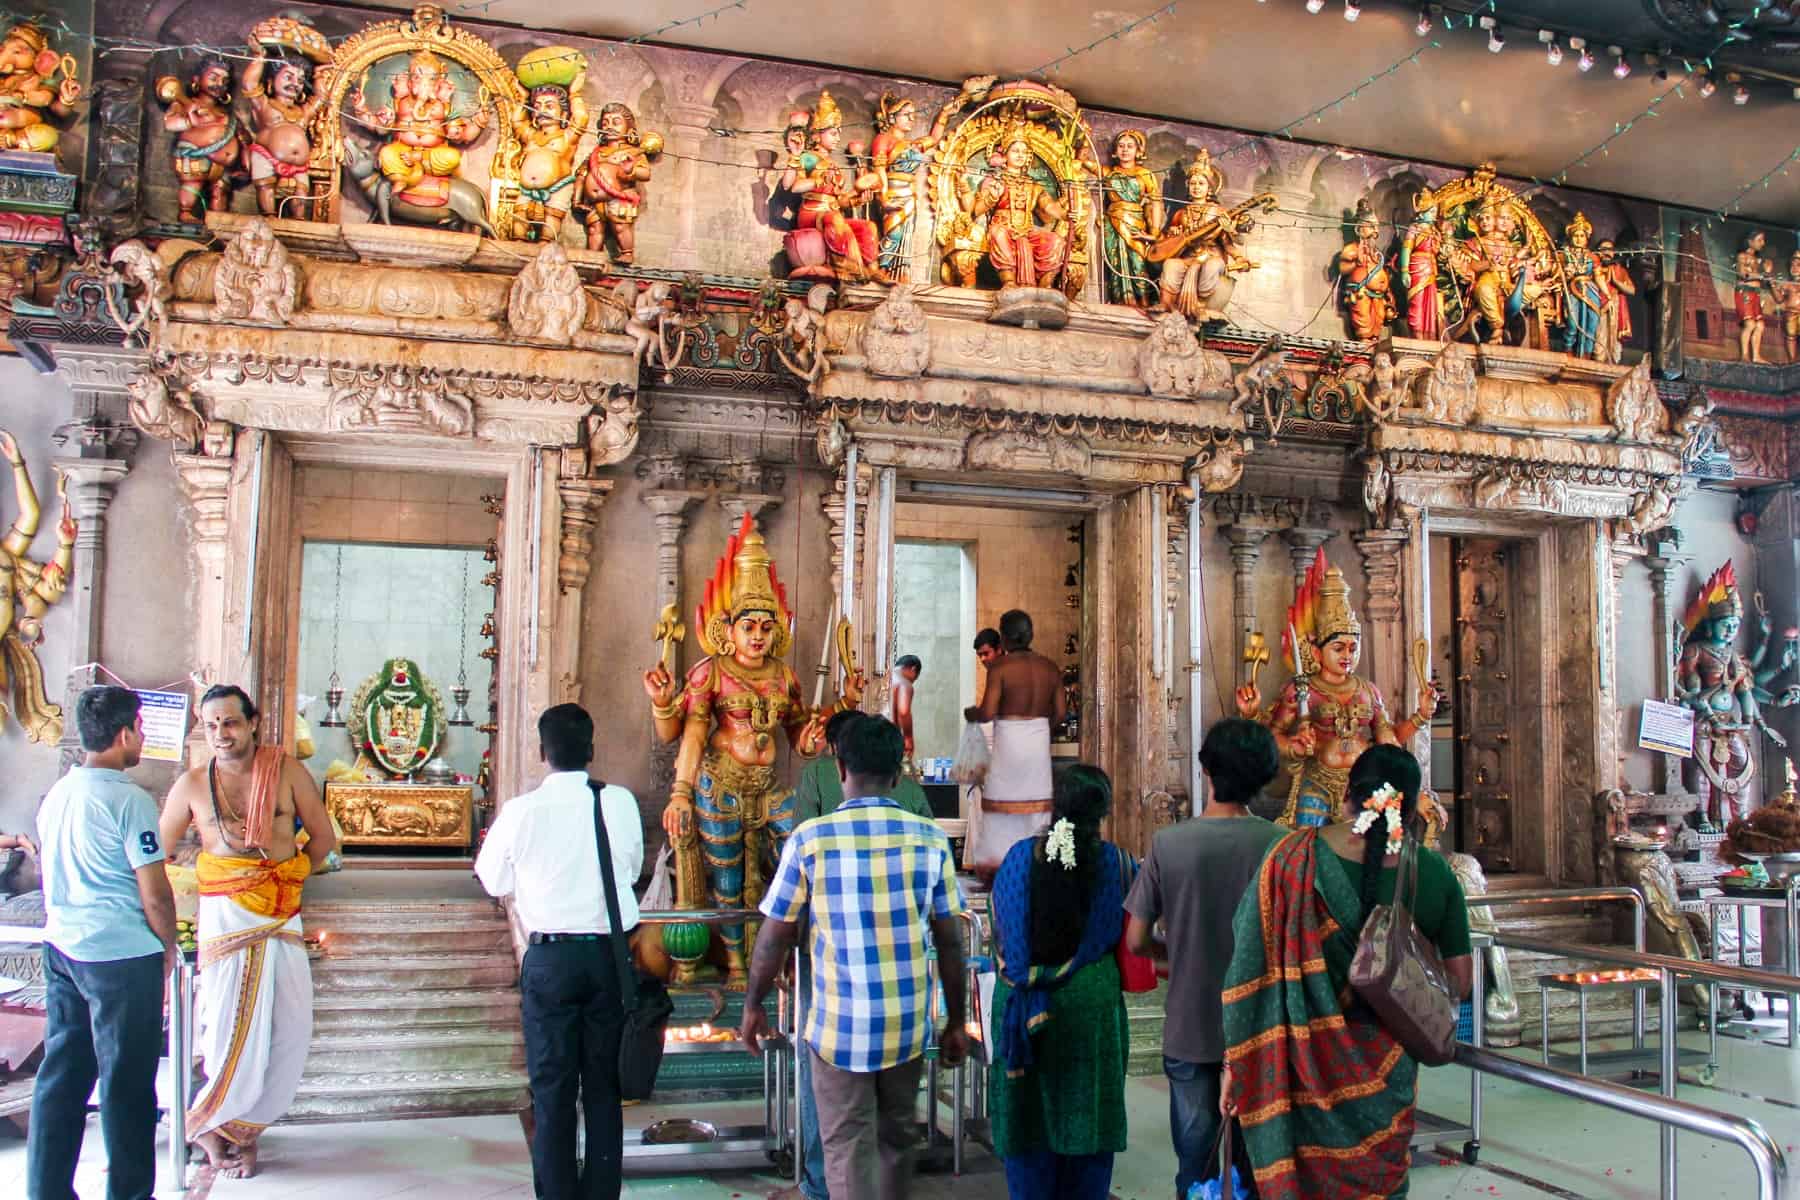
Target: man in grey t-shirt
[1191, 881]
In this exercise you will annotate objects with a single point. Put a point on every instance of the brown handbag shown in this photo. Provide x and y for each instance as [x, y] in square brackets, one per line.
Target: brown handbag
[1400, 974]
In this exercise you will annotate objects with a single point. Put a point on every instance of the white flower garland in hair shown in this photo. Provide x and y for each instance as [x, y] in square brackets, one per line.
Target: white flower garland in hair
[1383, 801]
[1060, 848]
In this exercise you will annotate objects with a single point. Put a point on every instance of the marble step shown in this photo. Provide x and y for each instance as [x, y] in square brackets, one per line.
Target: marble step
[374, 1008]
[354, 1051]
[392, 973]
[429, 936]
[390, 1095]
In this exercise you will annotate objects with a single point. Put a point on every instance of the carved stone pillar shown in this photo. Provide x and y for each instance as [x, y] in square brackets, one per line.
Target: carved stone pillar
[1303, 545]
[206, 482]
[90, 483]
[581, 501]
[1245, 533]
[1663, 566]
[1623, 553]
[687, 134]
[1384, 641]
[670, 507]
[831, 504]
[1415, 590]
[1175, 571]
[738, 505]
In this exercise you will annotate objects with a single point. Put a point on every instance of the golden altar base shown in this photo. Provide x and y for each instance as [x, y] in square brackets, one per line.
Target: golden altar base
[402, 814]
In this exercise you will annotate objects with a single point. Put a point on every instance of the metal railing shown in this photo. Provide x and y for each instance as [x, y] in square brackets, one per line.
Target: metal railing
[1669, 1113]
[1669, 969]
[181, 1070]
[1586, 896]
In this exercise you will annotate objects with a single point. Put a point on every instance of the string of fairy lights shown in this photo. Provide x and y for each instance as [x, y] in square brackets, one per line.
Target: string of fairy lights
[1698, 73]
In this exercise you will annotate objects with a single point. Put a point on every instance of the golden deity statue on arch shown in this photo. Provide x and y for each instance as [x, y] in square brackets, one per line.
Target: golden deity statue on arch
[1012, 192]
[1500, 278]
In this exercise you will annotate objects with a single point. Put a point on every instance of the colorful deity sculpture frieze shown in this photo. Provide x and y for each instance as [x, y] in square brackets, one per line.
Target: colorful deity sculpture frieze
[1365, 285]
[898, 157]
[1727, 692]
[405, 105]
[1013, 191]
[1133, 221]
[1326, 714]
[1421, 253]
[38, 88]
[208, 147]
[548, 128]
[610, 185]
[398, 718]
[1750, 295]
[829, 241]
[728, 814]
[28, 589]
[276, 88]
[1499, 277]
[1586, 294]
[1199, 251]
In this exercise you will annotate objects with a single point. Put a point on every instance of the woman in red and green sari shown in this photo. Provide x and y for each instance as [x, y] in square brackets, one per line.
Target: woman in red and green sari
[1057, 1083]
[1324, 1094]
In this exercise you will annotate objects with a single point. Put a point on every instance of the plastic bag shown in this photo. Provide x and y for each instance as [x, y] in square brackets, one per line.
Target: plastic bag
[660, 895]
[972, 756]
[1212, 1189]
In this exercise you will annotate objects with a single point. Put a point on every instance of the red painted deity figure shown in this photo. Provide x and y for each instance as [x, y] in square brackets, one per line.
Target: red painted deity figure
[1420, 251]
[828, 191]
[1024, 253]
[1727, 693]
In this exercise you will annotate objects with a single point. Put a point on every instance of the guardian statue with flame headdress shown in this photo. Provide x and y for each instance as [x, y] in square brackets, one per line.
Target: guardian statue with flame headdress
[1727, 692]
[1327, 714]
[728, 815]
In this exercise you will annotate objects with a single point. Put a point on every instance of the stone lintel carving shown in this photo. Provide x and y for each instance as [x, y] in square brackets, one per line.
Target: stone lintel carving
[164, 406]
[581, 500]
[306, 381]
[1380, 550]
[255, 279]
[896, 342]
[546, 302]
[1013, 450]
[1172, 363]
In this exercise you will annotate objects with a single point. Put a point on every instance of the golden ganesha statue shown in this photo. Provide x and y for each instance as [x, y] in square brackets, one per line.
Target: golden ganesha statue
[728, 816]
[30, 90]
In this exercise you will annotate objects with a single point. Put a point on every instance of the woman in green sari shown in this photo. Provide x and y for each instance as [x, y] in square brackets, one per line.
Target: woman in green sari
[1057, 1103]
[1134, 218]
[1323, 1092]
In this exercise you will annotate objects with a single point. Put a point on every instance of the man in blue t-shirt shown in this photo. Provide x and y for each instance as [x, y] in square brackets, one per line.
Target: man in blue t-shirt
[109, 941]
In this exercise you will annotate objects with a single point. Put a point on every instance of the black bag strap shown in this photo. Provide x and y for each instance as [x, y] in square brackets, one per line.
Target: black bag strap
[610, 888]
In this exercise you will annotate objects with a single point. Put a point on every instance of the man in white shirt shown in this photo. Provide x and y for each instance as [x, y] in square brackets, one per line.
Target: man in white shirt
[542, 851]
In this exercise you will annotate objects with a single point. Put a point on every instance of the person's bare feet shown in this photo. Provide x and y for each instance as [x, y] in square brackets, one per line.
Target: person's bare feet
[241, 1165]
[219, 1152]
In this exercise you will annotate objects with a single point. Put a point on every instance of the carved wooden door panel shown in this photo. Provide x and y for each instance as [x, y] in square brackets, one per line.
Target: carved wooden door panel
[1486, 689]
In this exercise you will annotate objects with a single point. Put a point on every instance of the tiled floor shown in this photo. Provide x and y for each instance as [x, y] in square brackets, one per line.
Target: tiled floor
[1534, 1145]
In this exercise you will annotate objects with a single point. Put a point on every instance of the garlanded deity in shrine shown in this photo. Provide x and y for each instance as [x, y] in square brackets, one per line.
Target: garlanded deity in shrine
[1327, 714]
[728, 815]
[828, 192]
[1727, 692]
[28, 589]
[1585, 290]
[611, 181]
[1421, 248]
[209, 143]
[425, 137]
[549, 126]
[1026, 242]
[1748, 295]
[1199, 249]
[896, 157]
[30, 93]
[282, 102]
[1615, 319]
[1368, 292]
[1496, 270]
[1134, 219]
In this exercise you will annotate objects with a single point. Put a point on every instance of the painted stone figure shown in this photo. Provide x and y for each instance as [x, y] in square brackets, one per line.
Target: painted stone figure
[1327, 715]
[209, 143]
[1368, 292]
[1615, 319]
[1495, 270]
[1749, 294]
[549, 127]
[728, 815]
[28, 589]
[612, 179]
[1727, 692]
[1585, 290]
[1026, 243]
[1421, 249]
[1199, 249]
[1134, 219]
[896, 157]
[828, 192]
[423, 150]
[30, 92]
[1788, 296]
[282, 102]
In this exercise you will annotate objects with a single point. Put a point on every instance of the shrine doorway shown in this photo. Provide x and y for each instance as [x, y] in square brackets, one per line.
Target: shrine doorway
[1489, 739]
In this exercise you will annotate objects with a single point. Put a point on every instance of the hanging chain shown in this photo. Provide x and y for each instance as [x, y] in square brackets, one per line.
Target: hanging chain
[462, 627]
[337, 611]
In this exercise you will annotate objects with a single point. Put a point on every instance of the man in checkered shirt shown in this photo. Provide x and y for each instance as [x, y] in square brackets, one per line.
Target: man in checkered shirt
[872, 878]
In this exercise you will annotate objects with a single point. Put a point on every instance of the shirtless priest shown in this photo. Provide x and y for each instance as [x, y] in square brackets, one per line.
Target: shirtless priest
[255, 998]
[1023, 697]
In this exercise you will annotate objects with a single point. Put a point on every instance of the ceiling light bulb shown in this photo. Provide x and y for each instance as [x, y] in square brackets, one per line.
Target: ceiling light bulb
[1621, 67]
[1586, 61]
[1741, 95]
[1496, 42]
[1422, 26]
[1315, 6]
[1554, 55]
[1352, 10]
[1707, 86]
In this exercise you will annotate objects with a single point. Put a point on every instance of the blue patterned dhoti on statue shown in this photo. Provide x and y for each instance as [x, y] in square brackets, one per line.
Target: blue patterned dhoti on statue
[743, 820]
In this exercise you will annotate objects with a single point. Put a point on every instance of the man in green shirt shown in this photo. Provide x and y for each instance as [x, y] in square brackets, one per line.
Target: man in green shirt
[821, 791]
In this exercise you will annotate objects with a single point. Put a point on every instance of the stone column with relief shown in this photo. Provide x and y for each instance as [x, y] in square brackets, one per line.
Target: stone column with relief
[1245, 527]
[207, 479]
[668, 503]
[1664, 564]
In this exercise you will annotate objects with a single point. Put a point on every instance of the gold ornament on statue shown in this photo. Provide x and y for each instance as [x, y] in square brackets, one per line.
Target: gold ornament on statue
[28, 589]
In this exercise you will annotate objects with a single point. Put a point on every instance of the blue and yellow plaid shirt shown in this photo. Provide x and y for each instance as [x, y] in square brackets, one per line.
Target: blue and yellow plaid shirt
[872, 876]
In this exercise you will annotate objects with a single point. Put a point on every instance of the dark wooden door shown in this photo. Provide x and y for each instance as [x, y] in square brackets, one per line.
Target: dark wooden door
[1487, 757]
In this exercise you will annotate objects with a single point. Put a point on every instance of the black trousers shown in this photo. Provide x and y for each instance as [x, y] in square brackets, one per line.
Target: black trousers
[573, 1019]
[104, 1022]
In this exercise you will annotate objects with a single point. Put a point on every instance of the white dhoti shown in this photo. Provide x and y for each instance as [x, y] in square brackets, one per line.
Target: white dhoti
[254, 1019]
[1015, 800]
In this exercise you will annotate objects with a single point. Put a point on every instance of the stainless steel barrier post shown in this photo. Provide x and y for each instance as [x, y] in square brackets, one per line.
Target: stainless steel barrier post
[1793, 956]
[180, 1075]
[1670, 1079]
